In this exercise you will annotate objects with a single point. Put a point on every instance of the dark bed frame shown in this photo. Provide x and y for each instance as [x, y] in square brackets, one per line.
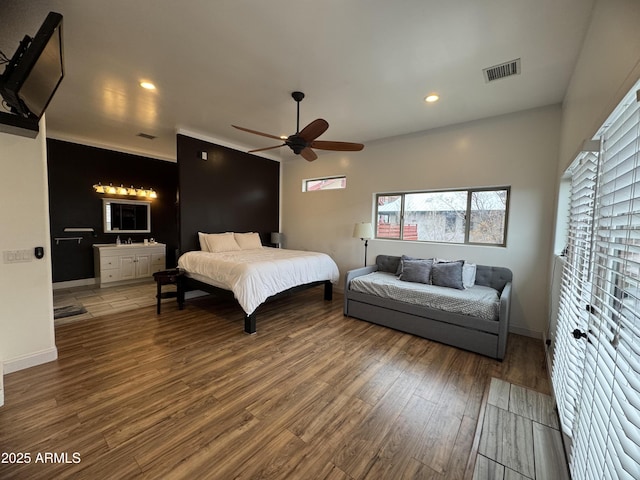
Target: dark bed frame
[250, 320]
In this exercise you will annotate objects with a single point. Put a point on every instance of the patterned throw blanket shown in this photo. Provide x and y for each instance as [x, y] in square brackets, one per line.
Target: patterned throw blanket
[477, 301]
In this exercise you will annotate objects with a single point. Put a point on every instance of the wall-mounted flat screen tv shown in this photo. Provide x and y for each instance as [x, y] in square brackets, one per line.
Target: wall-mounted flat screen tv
[35, 71]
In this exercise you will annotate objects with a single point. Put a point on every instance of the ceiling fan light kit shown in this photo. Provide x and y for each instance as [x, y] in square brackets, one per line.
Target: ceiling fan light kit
[303, 141]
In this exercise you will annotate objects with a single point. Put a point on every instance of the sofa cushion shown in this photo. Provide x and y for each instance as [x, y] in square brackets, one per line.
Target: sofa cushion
[448, 274]
[388, 263]
[414, 270]
[479, 302]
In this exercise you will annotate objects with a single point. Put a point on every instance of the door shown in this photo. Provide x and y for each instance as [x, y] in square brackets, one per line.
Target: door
[602, 415]
[143, 265]
[127, 267]
[575, 292]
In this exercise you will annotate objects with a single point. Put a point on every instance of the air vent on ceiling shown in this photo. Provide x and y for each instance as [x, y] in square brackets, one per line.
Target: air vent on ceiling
[506, 69]
[146, 135]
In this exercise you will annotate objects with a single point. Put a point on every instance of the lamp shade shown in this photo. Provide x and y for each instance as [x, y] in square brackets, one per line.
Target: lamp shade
[363, 230]
[276, 238]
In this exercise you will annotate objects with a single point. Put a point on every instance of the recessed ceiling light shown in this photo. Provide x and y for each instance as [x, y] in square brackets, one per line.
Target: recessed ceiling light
[147, 85]
[432, 98]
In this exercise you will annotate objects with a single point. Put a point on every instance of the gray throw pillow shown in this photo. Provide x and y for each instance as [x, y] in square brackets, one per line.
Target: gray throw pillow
[418, 271]
[402, 259]
[447, 274]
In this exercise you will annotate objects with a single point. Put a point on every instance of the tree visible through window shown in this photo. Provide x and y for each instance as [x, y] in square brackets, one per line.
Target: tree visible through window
[488, 216]
[454, 216]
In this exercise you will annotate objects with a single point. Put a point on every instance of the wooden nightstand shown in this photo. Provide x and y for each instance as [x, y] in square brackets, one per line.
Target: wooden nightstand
[170, 277]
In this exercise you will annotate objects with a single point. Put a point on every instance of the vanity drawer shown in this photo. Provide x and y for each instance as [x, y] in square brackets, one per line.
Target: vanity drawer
[107, 263]
[112, 275]
[158, 260]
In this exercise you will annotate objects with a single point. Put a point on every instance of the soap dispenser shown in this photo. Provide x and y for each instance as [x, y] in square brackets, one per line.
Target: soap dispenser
[118, 240]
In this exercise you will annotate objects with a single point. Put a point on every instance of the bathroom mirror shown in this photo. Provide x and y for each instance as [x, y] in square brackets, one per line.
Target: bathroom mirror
[126, 216]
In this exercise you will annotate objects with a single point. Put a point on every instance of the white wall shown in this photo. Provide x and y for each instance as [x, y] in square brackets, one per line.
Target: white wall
[26, 296]
[520, 150]
[608, 66]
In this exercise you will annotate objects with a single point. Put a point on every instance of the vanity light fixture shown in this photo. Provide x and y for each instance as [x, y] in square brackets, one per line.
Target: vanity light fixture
[122, 190]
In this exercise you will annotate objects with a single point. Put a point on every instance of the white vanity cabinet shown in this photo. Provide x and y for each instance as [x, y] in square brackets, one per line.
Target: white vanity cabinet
[124, 263]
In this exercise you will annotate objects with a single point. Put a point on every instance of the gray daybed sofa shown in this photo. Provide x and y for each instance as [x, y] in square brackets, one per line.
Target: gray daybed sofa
[468, 331]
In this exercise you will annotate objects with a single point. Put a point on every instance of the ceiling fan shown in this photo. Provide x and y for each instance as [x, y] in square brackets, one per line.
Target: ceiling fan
[303, 141]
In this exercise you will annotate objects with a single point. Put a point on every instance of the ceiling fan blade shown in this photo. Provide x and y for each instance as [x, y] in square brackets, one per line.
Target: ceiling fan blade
[268, 135]
[339, 146]
[266, 148]
[308, 154]
[314, 130]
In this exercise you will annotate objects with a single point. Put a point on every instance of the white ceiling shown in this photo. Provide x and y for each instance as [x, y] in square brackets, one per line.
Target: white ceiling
[364, 65]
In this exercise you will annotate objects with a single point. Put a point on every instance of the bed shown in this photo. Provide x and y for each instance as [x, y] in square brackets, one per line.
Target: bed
[471, 312]
[253, 273]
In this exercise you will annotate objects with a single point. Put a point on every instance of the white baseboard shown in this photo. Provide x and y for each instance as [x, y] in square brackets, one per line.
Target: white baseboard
[525, 332]
[30, 360]
[83, 282]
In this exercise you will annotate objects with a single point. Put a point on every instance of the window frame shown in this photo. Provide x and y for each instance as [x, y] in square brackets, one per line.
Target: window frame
[467, 214]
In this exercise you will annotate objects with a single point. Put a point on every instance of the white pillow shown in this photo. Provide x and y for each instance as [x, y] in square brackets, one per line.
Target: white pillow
[221, 242]
[468, 274]
[202, 238]
[248, 241]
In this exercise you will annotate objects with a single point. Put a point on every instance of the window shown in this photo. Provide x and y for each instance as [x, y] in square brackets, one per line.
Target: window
[477, 216]
[329, 183]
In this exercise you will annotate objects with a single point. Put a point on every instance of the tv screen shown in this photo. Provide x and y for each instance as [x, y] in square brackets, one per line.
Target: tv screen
[35, 71]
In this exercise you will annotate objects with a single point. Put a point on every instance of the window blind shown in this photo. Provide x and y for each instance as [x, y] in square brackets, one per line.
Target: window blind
[575, 290]
[606, 440]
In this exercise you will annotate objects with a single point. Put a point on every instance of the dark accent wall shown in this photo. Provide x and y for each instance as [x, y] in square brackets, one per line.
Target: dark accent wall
[73, 169]
[231, 191]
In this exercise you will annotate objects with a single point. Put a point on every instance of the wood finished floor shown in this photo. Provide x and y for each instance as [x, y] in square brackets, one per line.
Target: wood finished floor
[520, 436]
[313, 395]
[106, 301]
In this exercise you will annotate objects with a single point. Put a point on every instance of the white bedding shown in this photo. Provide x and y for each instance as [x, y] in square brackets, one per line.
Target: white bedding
[255, 275]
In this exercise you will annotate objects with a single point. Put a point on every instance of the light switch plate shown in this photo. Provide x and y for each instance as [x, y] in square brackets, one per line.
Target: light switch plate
[17, 256]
